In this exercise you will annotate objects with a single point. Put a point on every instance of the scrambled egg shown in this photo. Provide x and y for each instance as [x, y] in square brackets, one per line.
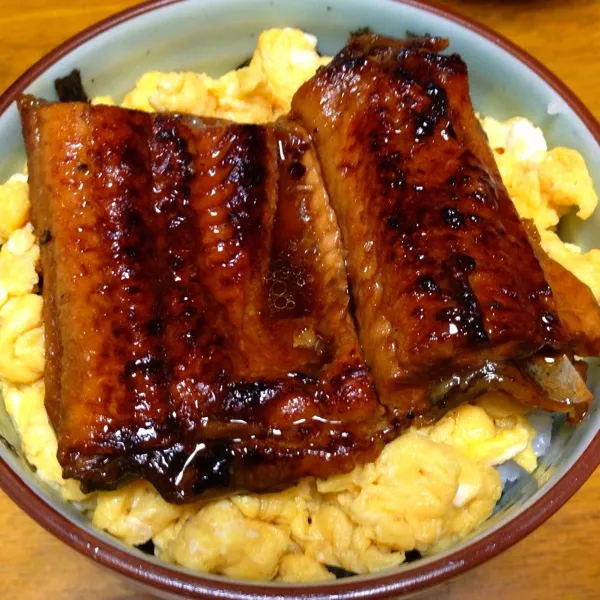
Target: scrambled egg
[283, 60]
[545, 185]
[427, 489]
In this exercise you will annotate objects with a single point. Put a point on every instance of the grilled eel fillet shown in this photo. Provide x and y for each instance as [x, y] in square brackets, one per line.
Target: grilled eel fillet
[197, 322]
[449, 287]
[196, 309]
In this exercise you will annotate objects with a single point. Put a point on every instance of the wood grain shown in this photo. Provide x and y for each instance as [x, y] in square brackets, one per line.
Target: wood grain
[559, 560]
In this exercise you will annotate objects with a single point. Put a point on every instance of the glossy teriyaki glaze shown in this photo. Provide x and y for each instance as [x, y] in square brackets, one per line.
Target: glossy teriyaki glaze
[442, 271]
[198, 324]
[212, 253]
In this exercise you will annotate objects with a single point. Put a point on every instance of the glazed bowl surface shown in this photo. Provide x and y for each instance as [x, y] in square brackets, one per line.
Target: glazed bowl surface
[216, 36]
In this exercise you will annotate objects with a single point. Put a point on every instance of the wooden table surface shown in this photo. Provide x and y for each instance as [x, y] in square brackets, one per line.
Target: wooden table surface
[559, 560]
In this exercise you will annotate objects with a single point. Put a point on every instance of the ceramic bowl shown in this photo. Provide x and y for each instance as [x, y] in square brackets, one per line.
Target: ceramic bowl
[215, 36]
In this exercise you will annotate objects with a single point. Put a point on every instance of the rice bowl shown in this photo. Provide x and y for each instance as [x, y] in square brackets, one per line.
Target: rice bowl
[506, 115]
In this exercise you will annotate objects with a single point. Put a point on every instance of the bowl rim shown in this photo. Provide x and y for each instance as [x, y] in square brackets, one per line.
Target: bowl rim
[166, 579]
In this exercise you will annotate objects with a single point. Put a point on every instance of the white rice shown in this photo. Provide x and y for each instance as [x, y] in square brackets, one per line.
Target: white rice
[541, 421]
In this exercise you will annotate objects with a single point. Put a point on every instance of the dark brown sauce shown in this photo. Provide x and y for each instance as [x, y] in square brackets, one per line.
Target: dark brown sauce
[288, 286]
